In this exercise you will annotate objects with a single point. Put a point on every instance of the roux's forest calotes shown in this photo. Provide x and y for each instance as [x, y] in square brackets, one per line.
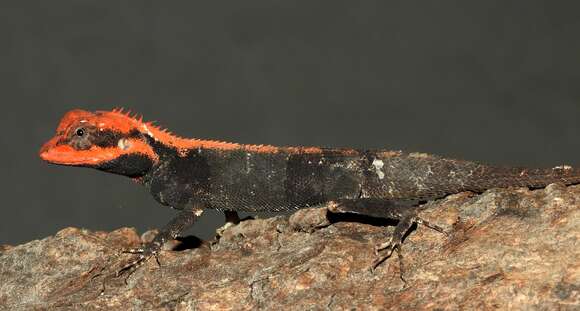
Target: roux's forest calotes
[191, 175]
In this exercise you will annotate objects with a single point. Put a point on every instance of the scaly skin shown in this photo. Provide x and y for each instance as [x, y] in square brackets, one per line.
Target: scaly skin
[193, 174]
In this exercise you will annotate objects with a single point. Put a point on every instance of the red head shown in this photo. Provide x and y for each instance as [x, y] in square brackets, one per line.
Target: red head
[113, 141]
[116, 142]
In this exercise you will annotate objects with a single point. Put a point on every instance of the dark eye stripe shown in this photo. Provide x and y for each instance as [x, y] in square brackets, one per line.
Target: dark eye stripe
[106, 138]
[134, 134]
[83, 138]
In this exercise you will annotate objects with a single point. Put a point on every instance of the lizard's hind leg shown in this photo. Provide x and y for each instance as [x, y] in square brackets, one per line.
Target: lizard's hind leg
[405, 211]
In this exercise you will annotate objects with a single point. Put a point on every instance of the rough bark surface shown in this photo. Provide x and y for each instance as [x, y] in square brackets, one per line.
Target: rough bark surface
[505, 249]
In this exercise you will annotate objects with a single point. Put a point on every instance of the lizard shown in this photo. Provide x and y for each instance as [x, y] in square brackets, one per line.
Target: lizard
[191, 175]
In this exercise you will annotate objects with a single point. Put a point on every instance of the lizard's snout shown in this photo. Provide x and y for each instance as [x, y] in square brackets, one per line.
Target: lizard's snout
[47, 150]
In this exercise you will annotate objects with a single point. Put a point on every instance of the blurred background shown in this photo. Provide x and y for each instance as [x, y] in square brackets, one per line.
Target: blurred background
[492, 81]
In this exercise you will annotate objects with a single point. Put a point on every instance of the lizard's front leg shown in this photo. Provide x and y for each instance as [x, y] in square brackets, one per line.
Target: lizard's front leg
[181, 222]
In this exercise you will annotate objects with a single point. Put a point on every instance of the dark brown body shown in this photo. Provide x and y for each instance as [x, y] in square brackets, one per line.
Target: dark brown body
[283, 180]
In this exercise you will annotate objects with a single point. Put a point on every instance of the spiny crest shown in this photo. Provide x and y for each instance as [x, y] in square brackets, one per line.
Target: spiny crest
[164, 135]
[135, 116]
[124, 121]
[168, 138]
[135, 119]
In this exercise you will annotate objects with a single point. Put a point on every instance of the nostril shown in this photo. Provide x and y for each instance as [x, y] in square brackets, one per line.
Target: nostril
[44, 149]
[48, 145]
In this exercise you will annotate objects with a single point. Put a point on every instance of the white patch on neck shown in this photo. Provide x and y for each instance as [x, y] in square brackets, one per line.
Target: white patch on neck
[124, 144]
[148, 131]
[378, 164]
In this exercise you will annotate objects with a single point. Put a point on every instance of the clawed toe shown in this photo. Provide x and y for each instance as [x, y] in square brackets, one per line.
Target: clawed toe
[133, 251]
[383, 251]
[431, 225]
[132, 266]
[143, 254]
[382, 246]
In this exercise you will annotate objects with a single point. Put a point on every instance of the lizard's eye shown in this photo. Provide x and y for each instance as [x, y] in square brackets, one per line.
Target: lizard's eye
[80, 132]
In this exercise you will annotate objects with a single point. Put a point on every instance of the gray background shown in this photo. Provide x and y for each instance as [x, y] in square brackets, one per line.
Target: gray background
[492, 81]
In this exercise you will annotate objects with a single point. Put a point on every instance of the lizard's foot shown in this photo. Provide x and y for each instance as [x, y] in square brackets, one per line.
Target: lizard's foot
[387, 248]
[430, 225]
[383, 251]
[384, 245]
[143, 254]
[169, 232]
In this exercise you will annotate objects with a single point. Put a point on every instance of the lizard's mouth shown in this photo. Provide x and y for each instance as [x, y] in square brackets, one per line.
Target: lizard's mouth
[64, 154]
[67, 155]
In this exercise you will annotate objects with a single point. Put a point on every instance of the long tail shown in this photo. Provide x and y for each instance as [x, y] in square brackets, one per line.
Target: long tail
[498, 177]
[421, 176]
